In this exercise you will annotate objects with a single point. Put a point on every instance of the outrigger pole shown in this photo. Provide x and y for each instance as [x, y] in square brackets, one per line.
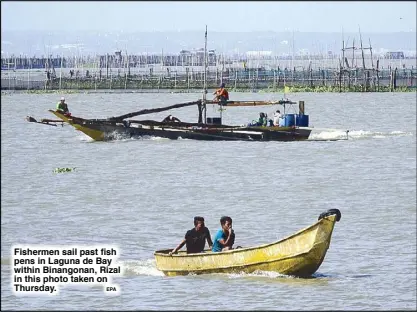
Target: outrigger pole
[150, 111]
[205, 79]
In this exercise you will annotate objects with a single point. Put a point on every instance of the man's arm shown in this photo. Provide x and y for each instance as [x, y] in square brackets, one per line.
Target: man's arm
[224, 242]
[209, 241]
[178, 247]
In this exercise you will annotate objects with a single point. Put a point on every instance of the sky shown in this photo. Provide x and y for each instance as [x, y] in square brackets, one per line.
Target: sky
[221, 16]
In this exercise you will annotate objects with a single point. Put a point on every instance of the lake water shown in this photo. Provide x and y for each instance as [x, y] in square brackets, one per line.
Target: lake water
[142, 195]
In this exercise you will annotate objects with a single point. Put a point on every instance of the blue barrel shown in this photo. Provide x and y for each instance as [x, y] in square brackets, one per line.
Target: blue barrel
[301, 120]
[289, 120]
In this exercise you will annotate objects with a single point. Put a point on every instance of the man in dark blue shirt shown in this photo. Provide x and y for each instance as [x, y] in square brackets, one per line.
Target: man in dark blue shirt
[195, 239]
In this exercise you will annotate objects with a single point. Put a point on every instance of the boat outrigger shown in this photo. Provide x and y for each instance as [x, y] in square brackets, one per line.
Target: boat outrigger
[293, 127]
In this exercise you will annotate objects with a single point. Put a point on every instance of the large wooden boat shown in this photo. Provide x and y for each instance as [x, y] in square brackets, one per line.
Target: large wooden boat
[300, 254]
[294, 127]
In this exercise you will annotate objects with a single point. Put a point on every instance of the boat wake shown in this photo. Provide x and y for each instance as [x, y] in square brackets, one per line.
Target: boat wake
[267, 274]
[131, 268]
[148, 268]
[335, 134]
[140, 267]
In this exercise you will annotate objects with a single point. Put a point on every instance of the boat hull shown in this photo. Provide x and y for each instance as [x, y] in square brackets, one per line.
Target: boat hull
[112, 130]
[300, 254]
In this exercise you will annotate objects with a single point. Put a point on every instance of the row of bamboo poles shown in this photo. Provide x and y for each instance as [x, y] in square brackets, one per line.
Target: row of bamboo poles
[356, 79]
[128, 72]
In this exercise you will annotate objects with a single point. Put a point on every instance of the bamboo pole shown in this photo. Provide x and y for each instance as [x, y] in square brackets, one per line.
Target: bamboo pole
[29, 68]
[125, 69]
[60, 72]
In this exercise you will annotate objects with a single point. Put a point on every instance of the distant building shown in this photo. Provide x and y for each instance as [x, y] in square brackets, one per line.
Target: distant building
[196, 57]
[259, 54]
[394, 55]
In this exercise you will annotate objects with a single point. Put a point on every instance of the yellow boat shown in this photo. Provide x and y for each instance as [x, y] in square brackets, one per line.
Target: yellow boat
[77, 123]
[300, 254]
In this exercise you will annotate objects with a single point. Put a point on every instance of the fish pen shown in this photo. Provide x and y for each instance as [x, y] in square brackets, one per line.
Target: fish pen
[352, 71]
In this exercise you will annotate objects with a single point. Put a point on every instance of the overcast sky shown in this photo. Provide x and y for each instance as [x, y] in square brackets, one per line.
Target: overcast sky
[225, 16]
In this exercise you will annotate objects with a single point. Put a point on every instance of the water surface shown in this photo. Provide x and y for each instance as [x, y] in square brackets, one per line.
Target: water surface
[142, 195]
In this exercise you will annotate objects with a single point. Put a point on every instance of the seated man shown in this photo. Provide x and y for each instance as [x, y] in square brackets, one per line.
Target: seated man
[62, 107]
[263, 119]
[222, 96]
[195, 239]
[225, 237]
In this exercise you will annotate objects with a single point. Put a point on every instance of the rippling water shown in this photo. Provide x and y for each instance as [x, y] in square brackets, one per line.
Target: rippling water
[142, 195]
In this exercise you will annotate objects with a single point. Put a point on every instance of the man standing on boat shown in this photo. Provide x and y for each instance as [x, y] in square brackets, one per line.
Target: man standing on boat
[222, 95]
[195, 239]
[225, 237]
[277, 117]
[62, 107]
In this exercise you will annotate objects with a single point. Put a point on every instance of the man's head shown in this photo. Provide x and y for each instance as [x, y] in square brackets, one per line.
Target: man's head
[226, 222]
[278, 112]
[199, 223]
[62, 99]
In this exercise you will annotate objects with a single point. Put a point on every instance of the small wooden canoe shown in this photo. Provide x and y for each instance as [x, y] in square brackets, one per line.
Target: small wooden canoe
[300, 254]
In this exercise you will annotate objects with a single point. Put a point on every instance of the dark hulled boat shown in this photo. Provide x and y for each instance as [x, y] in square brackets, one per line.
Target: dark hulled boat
[294, 126]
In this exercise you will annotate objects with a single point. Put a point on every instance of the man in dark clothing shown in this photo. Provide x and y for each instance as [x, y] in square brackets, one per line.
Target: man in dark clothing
[171, 118]
[195, 239]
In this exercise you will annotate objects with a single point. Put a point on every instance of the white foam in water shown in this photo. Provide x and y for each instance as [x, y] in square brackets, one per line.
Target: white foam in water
[85, 138]
[141, 267]
[116, 136]
[148, 267]
[353, 134]
[360, 133]
[258, 273]
[328, 135]
[379, 135]
[401, 133]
